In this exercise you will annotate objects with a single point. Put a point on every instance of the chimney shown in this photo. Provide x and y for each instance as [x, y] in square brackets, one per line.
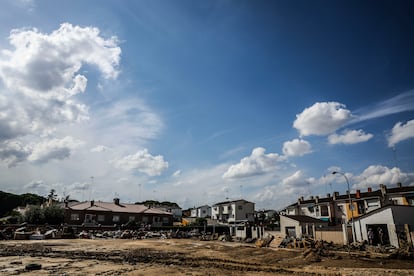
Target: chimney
[116, 201]
[335, 195]
[358, 194]
[399, 185]
[328, 195]
[311, 197]
[92, 203]
[369, 189]
[316, 199]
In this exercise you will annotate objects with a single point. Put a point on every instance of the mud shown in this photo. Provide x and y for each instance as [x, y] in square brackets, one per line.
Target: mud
[181, 257]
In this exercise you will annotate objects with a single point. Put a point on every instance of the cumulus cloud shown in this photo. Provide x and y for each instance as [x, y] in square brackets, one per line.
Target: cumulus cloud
[13, 152]
[142, 161]
[257, 163]
[295, 181]
[53, 149]
[296, 147]
[401, 132]
[375, 175]
[48, 64]
[350, 137]
[285, 190]
[322, 118]
[40, 76]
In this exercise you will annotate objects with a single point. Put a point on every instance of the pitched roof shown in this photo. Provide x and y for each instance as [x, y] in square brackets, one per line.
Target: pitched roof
[393, 207]
[232, 201]
[305, 219]
[117, 208]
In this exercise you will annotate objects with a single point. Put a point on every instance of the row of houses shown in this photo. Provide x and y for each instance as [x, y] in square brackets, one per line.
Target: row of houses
[338, 209]
[382, 216]
[91, 213]
[386, 213]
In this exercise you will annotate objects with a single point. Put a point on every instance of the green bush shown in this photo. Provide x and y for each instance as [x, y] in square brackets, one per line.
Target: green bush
[54, 215]
[35, 215]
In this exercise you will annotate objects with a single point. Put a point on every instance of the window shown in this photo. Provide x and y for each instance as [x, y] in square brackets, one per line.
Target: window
[145, 219]
[74, 217]
[115, 218]
[204, 211]
[101, 217]
[131, 218]
[165, 220]
[324, 211]
[240, 207]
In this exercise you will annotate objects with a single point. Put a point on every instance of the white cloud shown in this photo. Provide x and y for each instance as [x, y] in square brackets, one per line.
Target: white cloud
[397, 104]
[350, 137]
[131, 119]
[296, 147]
[294, 182]
[47, 64]
[401, 132]
[13, 152]
[99, 148]
[322, 118]
[144, 162]
[257, 163]
[53, 149]
[176, 173]
[377, 174]
[285, 191]
[40, 77]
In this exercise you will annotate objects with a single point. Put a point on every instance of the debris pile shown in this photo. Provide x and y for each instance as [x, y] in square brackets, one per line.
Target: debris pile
[265, 242]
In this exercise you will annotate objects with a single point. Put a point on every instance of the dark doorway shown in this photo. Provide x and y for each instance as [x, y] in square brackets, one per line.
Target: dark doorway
[378, 233]
[290, 232]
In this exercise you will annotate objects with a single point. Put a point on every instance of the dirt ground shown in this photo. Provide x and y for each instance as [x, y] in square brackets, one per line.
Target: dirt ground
[181, 257]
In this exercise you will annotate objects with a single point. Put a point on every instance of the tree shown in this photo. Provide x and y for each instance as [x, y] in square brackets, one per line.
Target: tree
[54, 215]
[52, 195]
[35, 215]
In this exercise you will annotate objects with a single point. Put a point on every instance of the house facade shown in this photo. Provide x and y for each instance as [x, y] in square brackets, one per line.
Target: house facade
[91, 213]
[201, 211]
[337, 209]
[298, 226]
[389, 225]
[233, 211]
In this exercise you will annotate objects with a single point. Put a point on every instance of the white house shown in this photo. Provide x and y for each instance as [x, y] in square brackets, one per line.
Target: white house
[300, 225]
[201, 211]
[233, 211]
[387, 224]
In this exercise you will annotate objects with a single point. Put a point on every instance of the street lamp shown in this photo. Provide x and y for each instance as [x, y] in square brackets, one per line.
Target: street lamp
[351, 206]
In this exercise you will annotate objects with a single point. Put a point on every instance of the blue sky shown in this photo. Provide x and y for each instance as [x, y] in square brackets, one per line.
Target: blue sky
[198, 101]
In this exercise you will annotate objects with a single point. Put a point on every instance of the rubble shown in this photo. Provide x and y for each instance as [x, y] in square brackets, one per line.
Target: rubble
[265, 242]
